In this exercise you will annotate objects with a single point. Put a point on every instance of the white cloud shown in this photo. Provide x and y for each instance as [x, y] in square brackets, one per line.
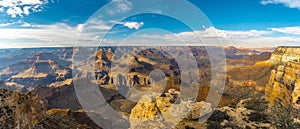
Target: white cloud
[211, 36]
[287, 3]
[80, 27]
[15, 23]
[65, 35]
[134, 25]
[55, 35]
[212, 32]
[99, 25]
[287, 39]
[5, 24]
[25, 24]
[121, 6]
[148, 36]
[42, 33]
[20, 8]
[26, 10]
[287, 30]
[96, 25]
[246, 34]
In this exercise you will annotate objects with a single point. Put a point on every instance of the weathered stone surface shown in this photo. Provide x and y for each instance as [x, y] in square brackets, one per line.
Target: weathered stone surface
[165, 112]
[200, 109]
[283, 84]
[145, 108]
[285, 54]
[163, 103]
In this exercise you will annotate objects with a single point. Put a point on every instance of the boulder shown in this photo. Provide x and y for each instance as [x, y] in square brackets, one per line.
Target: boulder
[200, 109]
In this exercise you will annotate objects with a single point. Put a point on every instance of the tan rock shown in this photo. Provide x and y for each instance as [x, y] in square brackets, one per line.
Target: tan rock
[279, 76]
[200, 109]
[280, 68]
[174, 92]
[284, 81]
[163, 103]
[145, 108]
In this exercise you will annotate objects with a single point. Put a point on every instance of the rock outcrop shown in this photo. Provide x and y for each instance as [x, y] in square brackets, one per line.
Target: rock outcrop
[42, 69]
[284, 82]
[285, 54]
[162, 112]
[14, 69]
[166, 111]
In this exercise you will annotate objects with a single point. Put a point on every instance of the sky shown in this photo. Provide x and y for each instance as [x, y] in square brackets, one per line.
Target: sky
[240, 23]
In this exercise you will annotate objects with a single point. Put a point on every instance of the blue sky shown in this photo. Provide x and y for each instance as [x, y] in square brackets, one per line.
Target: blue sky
[248, 14]
[241, 23]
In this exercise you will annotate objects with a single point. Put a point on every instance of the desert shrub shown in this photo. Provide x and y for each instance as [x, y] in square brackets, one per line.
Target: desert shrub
[213, 125]
[256, 104]
[258, 117]
[219, 116]
[282, 116]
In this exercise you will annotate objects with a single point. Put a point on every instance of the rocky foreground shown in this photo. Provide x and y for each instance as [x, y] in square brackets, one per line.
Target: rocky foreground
[19, 110]
[28, 111]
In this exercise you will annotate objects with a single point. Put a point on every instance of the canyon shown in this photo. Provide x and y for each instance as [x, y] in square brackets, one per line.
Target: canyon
[45, 77]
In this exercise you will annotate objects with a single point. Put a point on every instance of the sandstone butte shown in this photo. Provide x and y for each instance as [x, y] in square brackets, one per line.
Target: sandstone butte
[284, 82]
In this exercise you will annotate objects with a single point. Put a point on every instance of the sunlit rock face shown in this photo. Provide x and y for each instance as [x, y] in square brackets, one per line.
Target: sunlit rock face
[285, 54]
[284, 82]
[166, 111]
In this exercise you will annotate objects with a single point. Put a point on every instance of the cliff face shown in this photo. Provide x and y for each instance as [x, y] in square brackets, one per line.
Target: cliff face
[285, 54]
[284, 83]
[42, 69]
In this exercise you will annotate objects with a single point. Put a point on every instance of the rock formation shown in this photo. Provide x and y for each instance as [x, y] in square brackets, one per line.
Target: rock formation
[284, 82]
[166, 111]
[42, 69]
[162, 112]
[285, 54]
[12, 86]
